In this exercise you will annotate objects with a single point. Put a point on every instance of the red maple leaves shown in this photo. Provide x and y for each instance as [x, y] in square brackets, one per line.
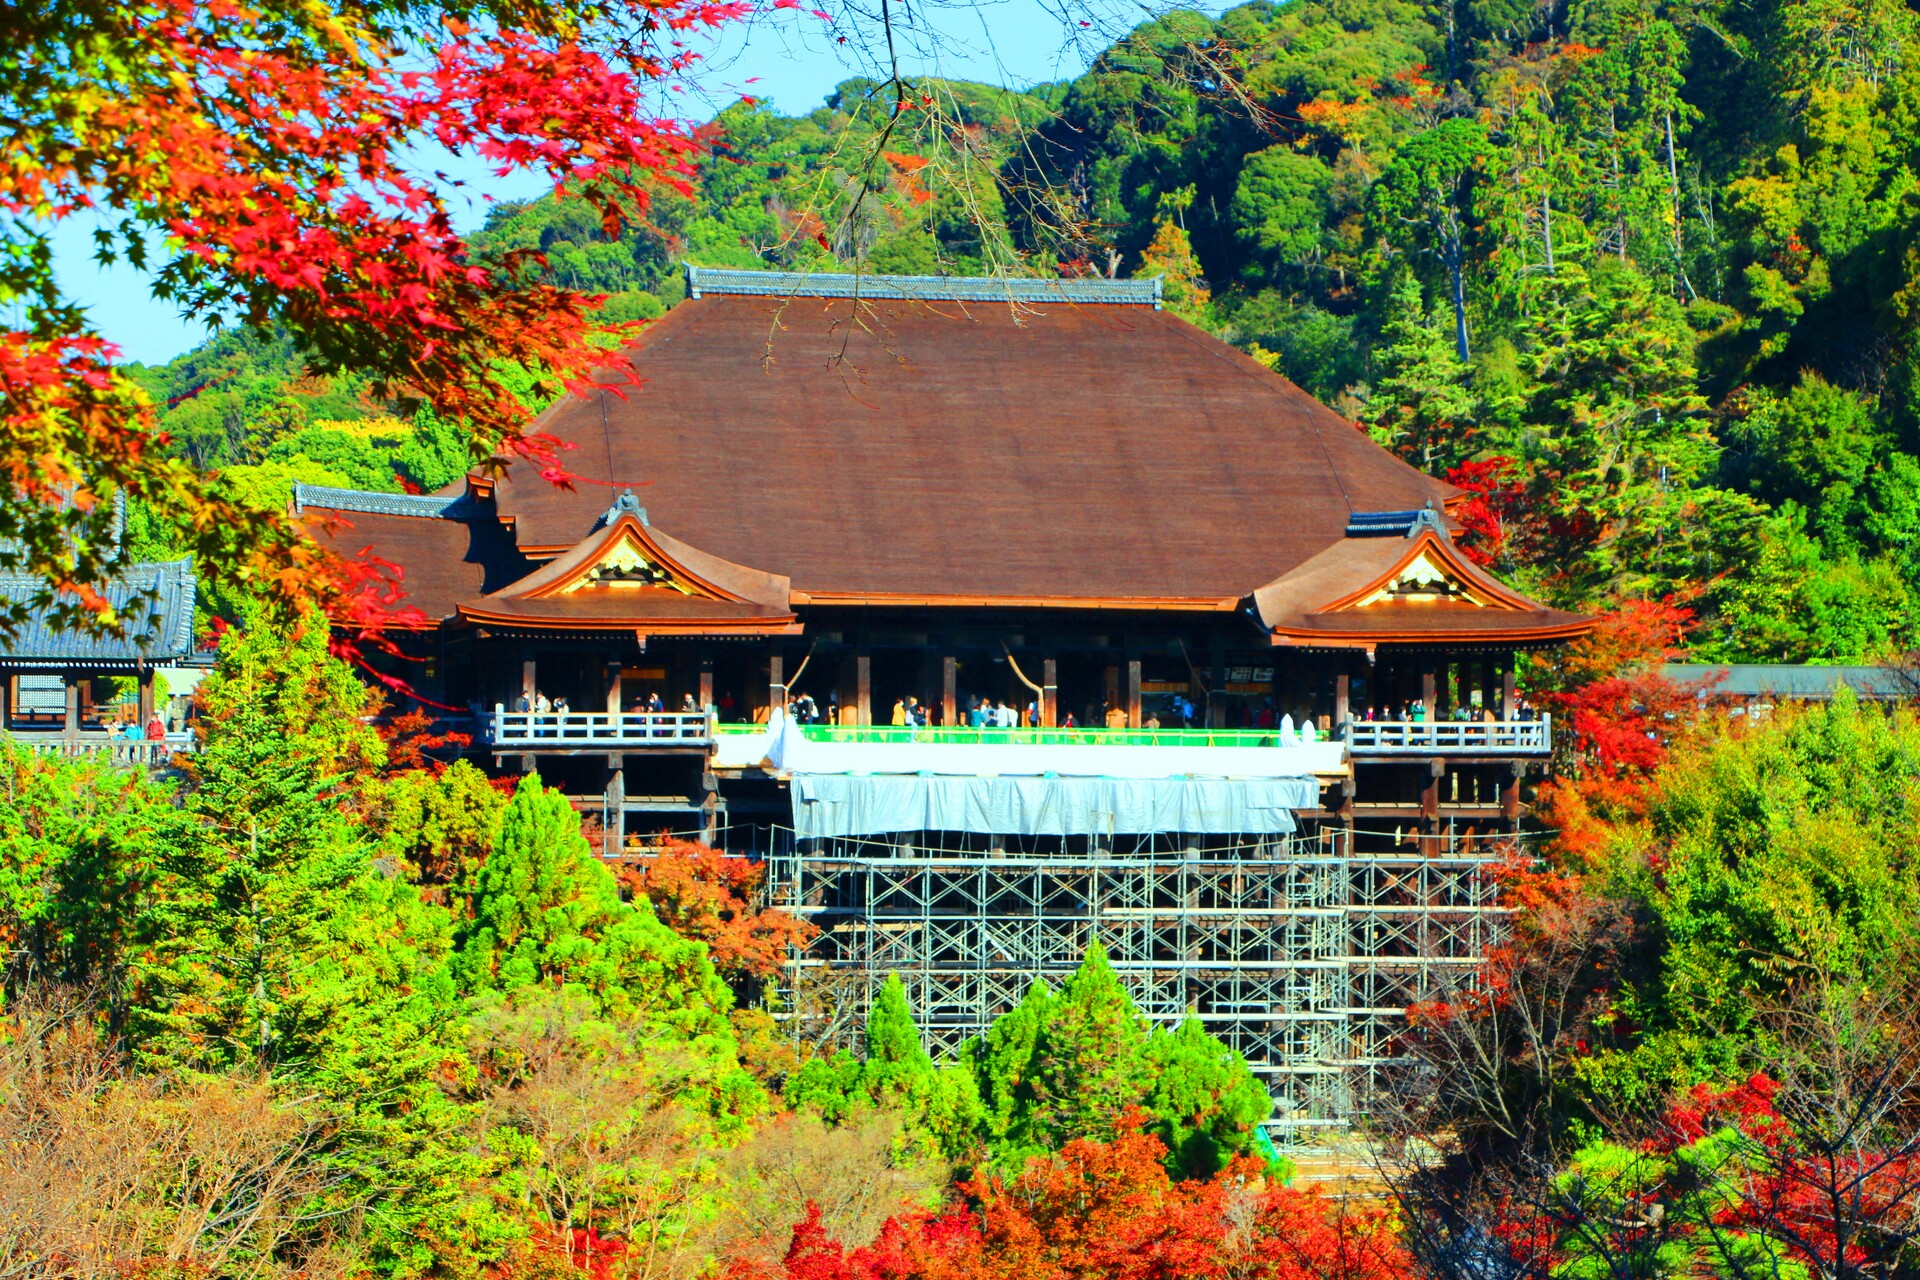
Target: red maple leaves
[1109, 1210]
[274, 149]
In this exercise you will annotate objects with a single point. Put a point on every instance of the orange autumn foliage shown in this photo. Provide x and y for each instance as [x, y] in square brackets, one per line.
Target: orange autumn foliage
[1108, 1211]
[701, 892]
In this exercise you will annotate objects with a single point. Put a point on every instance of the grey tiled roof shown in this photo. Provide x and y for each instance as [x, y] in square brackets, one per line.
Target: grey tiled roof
[156, 604]
[1782, 680]
[429, 506]
[810, 284]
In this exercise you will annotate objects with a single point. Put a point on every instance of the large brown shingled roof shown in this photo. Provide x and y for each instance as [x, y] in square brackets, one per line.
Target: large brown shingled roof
[903, 449]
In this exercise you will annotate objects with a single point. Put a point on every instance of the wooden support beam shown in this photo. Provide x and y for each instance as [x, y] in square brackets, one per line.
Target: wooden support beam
[613, 834]
[1342, 697]
[949, 690]
[706, 684]
[776, 682]
[1133, 694]
[144, 705]
[1510, 794]
[1049, 693]
[1430, 794]
[72, 684]
[1111, 685]
[614, 672]
[863, 689]
[6, 700]
[527, 686]
[1509, 694]
[1429, 692]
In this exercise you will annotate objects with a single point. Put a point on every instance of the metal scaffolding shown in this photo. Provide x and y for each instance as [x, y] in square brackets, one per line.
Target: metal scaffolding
[1297, 951]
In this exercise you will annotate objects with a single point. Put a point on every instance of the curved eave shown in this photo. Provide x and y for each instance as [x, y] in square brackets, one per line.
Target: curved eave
[908, 600]
[785, 625]
[1306, 637]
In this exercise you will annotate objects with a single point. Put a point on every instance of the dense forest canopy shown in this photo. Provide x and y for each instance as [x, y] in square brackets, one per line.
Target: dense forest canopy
[1640, 273]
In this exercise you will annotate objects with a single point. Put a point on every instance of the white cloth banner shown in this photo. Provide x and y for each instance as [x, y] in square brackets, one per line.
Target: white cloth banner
[870, 805]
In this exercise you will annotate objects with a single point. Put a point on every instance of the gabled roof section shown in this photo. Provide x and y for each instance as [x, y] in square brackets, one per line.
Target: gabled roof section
[702, 281]
[627, 575]
[153, 600]
[1418, 587]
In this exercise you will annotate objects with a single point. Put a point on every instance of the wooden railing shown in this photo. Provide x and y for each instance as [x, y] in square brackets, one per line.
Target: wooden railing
[100, 743]
[551, 730]
[1449, 737]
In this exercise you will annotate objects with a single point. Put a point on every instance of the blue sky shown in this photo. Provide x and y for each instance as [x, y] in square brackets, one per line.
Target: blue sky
[791, 59]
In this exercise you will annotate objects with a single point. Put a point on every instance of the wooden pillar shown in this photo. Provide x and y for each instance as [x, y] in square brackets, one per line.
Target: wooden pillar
[72, 685]
[776, 683]
[1509, 694]
[1049, 692]
[613, 835]
[705, 700]
[6, 700]
[1217, 688]
[527, 685]
[614, 669]
[1510, 794]
[1133, 694]
[1430, 795]
[1111, 686]
[144, 706]
[949, 690]
[1342, 697]
[1429, 691]
[863, 689]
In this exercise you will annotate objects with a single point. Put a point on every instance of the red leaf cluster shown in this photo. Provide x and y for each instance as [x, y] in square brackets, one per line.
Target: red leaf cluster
[1108, 1210]
[701, 892]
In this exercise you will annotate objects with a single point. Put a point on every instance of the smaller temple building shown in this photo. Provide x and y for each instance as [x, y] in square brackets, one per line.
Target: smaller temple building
[68, 691]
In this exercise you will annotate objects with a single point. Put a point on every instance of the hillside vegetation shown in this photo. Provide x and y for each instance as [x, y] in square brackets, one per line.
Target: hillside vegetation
[1643, 273]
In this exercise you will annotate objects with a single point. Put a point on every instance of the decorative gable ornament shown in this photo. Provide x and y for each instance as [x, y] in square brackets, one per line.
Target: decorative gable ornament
[624, 563]
[1423, 578]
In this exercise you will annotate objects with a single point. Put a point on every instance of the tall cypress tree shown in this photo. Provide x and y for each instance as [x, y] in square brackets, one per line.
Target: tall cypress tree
[1092, 1060]
[267, 938]
[543, 909]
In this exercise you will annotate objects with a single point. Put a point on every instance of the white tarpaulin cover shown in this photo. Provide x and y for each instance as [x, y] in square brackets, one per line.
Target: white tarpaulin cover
[784, 748]
[997, 788]
[865, 805]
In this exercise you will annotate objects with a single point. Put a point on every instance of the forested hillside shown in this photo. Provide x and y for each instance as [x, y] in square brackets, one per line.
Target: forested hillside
[1643, 273]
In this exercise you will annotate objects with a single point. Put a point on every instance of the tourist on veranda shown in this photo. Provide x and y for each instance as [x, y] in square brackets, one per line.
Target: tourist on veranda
[156, 728]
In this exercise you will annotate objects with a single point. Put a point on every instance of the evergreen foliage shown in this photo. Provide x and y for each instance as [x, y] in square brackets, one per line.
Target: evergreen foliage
[1076, 1065]
[541, 909]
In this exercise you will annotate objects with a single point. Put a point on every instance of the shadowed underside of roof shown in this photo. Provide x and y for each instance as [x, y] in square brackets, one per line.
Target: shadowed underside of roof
[155, 605]
[909, 449]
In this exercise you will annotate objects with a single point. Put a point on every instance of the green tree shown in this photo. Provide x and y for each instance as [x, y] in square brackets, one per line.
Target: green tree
[1092, 1065]
[1423, 405]
[938, 1104]
[1279, 212]
[78, 839]
[1785, 857]
[1205, 1102]
[1622, 453]
[1802, 601]
[542, 909]
[1423, 205]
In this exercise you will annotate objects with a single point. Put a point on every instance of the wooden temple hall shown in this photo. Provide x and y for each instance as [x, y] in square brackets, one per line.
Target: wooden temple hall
[1223, 623]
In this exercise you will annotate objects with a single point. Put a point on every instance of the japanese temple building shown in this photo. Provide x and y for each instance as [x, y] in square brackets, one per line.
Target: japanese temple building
[827, 495]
